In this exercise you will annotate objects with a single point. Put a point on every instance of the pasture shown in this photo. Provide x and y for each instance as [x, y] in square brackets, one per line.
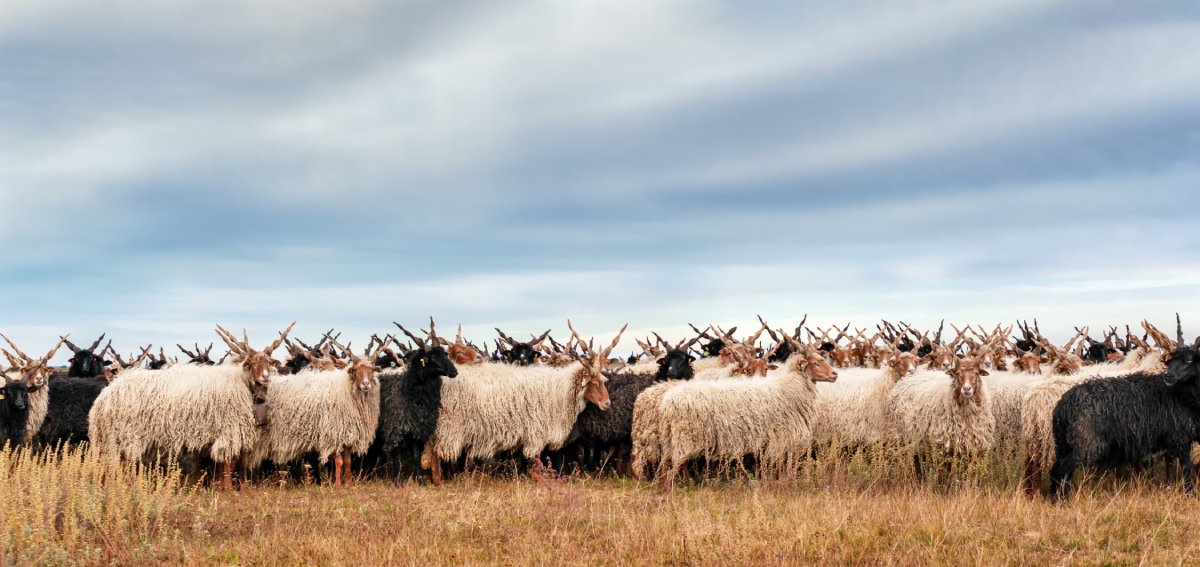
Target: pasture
[70, 508]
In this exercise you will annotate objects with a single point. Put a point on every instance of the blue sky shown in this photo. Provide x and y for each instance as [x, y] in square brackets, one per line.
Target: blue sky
[164, 167]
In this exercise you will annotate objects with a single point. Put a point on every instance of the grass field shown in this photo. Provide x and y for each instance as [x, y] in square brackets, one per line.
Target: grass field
[76, 510]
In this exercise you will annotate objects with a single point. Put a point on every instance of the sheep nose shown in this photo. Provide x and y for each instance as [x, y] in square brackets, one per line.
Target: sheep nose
[606, 404]
[833, 377]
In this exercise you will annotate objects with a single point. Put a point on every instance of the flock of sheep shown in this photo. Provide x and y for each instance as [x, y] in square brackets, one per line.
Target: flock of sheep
[768, 400]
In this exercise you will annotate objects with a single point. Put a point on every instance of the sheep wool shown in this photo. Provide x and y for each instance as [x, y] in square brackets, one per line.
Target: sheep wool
[925, 414]
[39, 407]
[724, 420]
[183, 408]
[498, 407]
[321, 411]
[853, 411]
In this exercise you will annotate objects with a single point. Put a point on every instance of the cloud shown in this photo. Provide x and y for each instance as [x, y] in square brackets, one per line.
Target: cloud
[352, 163]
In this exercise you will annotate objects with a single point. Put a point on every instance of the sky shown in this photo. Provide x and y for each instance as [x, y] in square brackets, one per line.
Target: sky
[168, 166]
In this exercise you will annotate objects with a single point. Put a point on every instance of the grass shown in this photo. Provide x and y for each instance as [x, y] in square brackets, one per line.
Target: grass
[69, 508]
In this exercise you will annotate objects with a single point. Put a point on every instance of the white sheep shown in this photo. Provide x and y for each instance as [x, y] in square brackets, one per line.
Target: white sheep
[186, 408]
[35, 373]
[946, 415]
[492, 408]
[724, 420]
[333, 413]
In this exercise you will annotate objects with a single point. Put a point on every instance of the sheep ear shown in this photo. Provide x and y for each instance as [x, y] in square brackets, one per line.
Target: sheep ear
[983, 372]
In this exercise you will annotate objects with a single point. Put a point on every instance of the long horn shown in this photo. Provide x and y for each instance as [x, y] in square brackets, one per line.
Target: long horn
[69, 344]
[19, 353]
[1178, 332]
[97, 343]
[800, 327]
[50, 354]
[419, 342]
[505, 337]
[270, 349]
[432, 332]
[615, 340]
[232, 342]
[770, 331]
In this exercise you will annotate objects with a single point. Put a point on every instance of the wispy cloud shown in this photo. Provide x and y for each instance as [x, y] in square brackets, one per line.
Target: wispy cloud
[350, 163]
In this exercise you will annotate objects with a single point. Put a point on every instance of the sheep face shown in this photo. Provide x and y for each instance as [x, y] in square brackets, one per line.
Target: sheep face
[1029, 363]
[15, 394]
[902, 365]
[362, 373]
[965, 382]
[814, 365]
[433, 363]
[594, 389]
[84, 362]
[676, 365]
[1183, 366]
[841, 357]
[258, 365]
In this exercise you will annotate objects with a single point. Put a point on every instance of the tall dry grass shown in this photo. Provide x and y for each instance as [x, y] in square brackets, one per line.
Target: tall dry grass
[67, 506]
[843, 507]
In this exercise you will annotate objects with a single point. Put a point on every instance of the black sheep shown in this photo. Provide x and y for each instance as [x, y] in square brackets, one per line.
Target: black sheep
[1121, 421]
[597, 431]
[71, 399]
[14, 411]
[408, 406]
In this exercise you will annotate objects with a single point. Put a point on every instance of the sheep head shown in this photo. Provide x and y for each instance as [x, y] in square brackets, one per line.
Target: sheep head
[810, 362]
[966, 381]
[902, 364]
[34, 372]
[428, 360]
[15, 393]
[594, 364]
[258, 365]
[85, 363]
[463, 353]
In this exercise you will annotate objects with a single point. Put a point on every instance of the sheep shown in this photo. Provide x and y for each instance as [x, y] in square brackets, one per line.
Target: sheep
[725, 420]
[598, 430]
[1110, 422]
[1037, 409]
[933, 415]
[333, 413]
[72, 397]
[853, 412]
[84, 361]
[14, 410]
[187, 408]
[494, 408]
[409, 404]
[518, 353]
[36, 375]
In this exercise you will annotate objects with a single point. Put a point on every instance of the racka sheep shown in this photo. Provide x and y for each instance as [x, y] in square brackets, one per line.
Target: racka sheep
[187, 408]
[493, 408]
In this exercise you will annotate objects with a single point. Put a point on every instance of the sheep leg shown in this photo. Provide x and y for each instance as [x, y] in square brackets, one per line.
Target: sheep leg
[337, 467]
[1033, 476]
[1184, 455]
[1060, 476]
[347, 478]
[227, 475]
[917, 467]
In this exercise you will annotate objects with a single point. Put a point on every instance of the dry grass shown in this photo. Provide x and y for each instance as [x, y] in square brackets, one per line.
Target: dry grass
[831, 513]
